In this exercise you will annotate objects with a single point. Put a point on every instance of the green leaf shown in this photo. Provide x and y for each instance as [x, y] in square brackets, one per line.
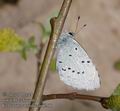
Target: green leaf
[117, 91]
[31, 44]
[53, 65]
[24, 54]
[113, 102]
[117, 65]
[31, 40]
[115, 109]
[27, 47]
[45, 28]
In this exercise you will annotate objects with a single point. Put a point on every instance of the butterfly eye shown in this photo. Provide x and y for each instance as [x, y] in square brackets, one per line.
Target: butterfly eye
[70, 33]
[70, 55]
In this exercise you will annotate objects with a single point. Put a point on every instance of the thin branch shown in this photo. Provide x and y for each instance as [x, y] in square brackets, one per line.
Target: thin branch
[39, 57]
[56, 25]
[72, 96]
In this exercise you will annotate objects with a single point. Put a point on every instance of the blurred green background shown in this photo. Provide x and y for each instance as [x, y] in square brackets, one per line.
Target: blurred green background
[101, 39]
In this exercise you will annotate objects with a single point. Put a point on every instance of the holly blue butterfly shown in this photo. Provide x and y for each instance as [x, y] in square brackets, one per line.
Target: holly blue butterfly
[74, 66]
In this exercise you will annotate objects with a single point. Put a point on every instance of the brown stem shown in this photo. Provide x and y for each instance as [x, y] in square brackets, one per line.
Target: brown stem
[39, 57]
[56, 25]
[72, 96]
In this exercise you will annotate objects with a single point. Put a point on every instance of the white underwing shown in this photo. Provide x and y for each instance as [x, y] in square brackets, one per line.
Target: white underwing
[74, 66]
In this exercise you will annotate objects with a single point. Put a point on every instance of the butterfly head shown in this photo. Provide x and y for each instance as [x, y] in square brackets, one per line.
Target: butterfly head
[71, 34]
[64, 38]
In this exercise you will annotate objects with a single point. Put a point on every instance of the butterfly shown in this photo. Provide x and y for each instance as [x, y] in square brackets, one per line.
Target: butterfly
[73, 64]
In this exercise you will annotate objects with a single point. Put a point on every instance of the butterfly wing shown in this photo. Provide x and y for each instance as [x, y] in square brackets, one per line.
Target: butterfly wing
[75, 67]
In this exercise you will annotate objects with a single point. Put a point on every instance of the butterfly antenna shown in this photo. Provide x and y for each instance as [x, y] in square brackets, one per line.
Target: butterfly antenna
[77, 24]
[81, 29]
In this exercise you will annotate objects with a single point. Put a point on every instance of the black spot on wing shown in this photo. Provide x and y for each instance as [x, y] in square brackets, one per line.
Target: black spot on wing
[83, 72]
[88, 61]
[69, 68]
[76, 48]
[63, 69]
[73, 71]
[83, 61]
[60, 61]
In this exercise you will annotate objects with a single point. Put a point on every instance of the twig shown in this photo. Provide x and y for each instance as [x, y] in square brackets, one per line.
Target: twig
[56, 25]
[39, 58]
[72, 96]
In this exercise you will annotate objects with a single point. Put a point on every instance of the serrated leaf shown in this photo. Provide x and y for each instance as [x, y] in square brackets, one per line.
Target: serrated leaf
[53, 65]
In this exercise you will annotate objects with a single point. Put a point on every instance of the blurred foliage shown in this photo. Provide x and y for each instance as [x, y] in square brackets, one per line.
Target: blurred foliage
[11, 42]
[117, 65]
[117, 91]
[27, 47]
[53, 65]
[113, 102]
[46, 30]
[13, 2]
